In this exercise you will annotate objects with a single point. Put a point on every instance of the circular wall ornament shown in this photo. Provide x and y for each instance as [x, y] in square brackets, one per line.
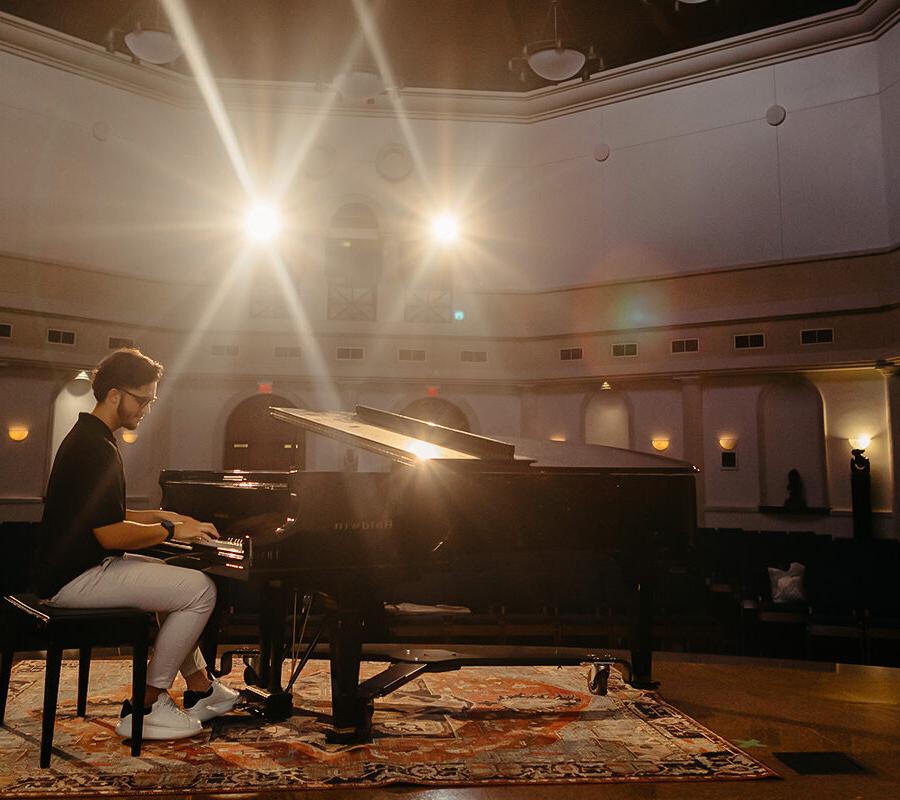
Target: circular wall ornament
[601, 152]
[775, 115]
[319, 162]
[101, 131]
[394, 162]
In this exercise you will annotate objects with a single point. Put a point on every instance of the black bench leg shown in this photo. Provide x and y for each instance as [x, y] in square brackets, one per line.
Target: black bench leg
[138, 688]
[5, 672]
[51, 693]
[84, 671]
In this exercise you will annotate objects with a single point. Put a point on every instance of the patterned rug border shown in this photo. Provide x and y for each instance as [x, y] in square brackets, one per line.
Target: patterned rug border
[644, 706]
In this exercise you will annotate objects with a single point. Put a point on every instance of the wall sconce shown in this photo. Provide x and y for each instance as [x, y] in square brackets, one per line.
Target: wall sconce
[558, 437]
[18, 433]
[661, 444]
[129, 436]
[83, 375]
[860, 442]
[605, 386]
[728, 442]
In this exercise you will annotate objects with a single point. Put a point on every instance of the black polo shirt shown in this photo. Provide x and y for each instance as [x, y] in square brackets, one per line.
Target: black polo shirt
[86, 491]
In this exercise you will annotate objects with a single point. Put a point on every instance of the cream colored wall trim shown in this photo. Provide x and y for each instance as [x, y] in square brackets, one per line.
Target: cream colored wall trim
[866, 283]
[865, 21]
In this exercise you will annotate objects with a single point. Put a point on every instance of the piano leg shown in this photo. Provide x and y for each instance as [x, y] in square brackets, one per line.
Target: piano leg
[268, 691]
[278, 610]
[644, 577]
[351, 714]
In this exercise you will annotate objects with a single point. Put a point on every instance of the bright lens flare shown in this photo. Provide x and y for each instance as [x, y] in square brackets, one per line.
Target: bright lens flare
[261, 223]
[424, 451]
[445, 228]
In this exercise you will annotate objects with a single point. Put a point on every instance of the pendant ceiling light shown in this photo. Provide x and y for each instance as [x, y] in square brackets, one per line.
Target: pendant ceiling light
[359, 83]
[555, 59]
[151, 40]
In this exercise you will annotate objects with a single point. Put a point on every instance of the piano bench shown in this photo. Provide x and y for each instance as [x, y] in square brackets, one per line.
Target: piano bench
[29, 625]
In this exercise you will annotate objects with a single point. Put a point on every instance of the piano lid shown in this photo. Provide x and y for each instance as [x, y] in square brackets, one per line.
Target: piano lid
[547, 454]
[403, 439]
[413, 441]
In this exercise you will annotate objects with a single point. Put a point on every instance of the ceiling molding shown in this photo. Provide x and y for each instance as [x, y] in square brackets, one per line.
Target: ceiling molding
[864, 22]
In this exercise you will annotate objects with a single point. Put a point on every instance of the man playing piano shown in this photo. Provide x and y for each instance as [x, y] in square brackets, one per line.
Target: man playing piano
[88, 535]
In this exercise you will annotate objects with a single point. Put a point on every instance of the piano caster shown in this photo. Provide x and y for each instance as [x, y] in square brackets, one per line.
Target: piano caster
[598, 679]
[359, 732]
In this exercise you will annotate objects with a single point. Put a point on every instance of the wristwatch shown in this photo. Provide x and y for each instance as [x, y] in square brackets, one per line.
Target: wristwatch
[170, 529]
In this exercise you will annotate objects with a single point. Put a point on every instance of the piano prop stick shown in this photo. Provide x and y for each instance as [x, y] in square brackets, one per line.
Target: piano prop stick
[448, 500]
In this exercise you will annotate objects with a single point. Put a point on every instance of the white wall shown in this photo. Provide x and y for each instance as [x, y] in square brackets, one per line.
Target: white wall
[696, 178]
[26, 398]
[889, 80]
[657, 413]
[731, 410]
[607, 419]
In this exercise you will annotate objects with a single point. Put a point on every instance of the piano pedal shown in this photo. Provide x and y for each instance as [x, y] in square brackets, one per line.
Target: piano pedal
[273, 706]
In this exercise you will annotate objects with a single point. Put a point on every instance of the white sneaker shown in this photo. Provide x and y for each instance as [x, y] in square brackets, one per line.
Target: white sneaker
[165, 721]
[203, 707]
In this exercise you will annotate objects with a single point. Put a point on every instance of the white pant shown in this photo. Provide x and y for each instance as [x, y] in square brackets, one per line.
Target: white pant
[183, 599]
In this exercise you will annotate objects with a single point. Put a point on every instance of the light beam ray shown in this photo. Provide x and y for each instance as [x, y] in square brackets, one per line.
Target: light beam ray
[289, 169]
[370, 31]
[193, 51]
[208, 314]
[305, 334]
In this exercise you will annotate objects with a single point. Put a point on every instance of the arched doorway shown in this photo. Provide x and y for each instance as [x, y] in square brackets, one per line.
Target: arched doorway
[439, 411]
[256, 441]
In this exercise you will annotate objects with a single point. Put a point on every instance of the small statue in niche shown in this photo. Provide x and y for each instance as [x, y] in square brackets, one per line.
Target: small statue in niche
[796, 498]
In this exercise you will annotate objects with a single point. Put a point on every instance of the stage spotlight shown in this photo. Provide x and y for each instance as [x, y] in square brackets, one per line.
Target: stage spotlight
[262, 223]
[445, 228]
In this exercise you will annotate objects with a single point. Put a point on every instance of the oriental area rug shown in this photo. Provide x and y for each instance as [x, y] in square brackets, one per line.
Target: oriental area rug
[474, 726]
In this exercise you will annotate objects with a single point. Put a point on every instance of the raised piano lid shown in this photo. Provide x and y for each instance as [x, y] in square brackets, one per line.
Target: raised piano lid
[547, 454]
[412, 441]
[403, 439]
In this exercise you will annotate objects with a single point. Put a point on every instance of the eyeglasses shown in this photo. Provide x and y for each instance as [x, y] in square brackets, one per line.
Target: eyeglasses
[143, 401]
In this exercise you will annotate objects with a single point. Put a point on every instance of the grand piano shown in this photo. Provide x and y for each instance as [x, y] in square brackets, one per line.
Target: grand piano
[447, 501]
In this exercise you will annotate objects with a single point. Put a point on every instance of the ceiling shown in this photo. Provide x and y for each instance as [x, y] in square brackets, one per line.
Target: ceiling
[442, 44]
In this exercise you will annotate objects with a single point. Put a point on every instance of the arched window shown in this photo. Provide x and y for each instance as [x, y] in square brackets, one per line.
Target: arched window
[607, 420]
[353, 255]
[792, 438]
[439, 411]
[256, 441]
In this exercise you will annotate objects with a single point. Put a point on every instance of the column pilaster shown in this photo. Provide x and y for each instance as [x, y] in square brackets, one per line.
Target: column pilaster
[891, 375]
[692, 425]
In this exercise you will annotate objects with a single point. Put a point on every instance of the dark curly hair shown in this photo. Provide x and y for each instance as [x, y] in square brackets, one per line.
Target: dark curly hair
[127, 368]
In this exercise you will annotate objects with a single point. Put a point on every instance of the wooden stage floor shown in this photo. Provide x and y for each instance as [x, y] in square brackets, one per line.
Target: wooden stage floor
[763, 705]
